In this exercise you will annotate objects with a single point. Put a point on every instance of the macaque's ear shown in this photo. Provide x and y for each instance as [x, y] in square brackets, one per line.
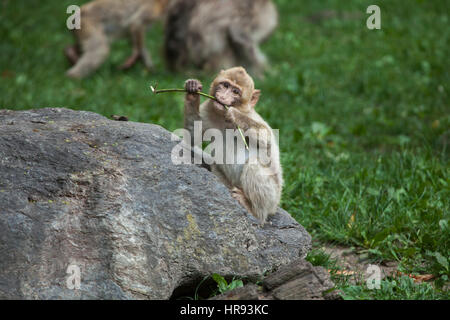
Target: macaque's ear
[255, 98]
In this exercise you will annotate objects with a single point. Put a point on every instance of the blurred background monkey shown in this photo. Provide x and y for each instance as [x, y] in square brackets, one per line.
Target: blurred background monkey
[256, 185]
[215, 34]
[103, 21]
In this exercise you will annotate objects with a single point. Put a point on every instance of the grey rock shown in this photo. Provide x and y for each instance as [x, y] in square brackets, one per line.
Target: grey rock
[79, 189]
[298, 280]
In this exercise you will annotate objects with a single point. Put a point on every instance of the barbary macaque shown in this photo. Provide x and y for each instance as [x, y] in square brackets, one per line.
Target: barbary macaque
[103, 21]
[215, 34]
[256, 184]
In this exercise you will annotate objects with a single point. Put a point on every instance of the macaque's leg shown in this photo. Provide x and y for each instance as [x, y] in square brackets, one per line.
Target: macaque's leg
[95, 51]
[139, 50]
[247, 48]
[71, 53]
[261, 191]
[143, 52]
[132, 59]
[239, 195]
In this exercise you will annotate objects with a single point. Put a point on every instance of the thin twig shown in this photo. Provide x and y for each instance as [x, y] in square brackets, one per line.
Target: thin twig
[202, 94]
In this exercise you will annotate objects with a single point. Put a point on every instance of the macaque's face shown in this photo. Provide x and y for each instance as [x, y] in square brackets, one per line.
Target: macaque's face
[227, 93]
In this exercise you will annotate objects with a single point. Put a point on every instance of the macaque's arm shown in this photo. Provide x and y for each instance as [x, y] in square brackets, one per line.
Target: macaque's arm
[252, 128]
[192, 105]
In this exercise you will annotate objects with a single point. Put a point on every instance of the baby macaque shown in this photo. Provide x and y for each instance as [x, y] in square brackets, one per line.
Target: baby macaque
[215, 34]
[103, 21]
[256, 185]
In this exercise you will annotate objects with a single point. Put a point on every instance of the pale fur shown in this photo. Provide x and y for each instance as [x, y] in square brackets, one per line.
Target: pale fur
[214, 34]
[102, 22]
[261, 185]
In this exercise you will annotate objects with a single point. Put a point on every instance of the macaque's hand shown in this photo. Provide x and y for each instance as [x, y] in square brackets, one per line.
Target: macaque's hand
[193, 86]
[230, 115]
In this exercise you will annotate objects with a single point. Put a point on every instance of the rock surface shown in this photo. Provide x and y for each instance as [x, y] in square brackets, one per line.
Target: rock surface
[79, 190]
[298, 280]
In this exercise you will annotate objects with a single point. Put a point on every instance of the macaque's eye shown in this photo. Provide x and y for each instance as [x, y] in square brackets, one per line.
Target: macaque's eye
[236, 91]
[226, 84]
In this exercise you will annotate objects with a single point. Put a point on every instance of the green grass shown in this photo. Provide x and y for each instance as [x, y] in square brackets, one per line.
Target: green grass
[402, 288]
[391, 288]
[363, 116]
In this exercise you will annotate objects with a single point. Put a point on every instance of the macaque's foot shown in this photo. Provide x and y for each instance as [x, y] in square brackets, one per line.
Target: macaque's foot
[239, 195]
[193, 86]
[74, 73]
[71, 54]
[130, 61]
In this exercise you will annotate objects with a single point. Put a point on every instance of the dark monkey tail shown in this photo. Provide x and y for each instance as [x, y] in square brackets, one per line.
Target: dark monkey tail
[175, 42]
